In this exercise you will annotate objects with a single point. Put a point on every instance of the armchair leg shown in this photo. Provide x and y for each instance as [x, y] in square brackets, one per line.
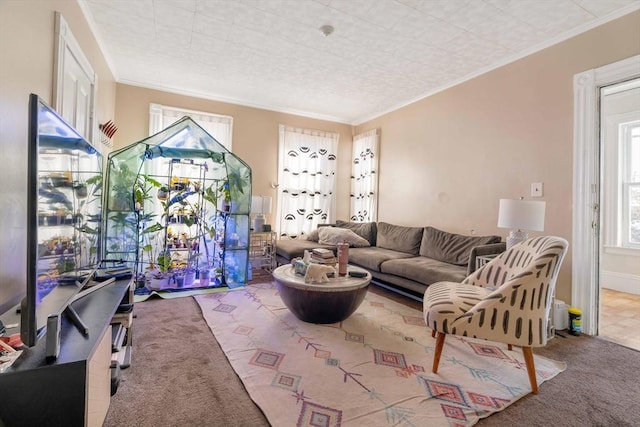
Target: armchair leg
[436, 356]
[433, 333]
[531, 369]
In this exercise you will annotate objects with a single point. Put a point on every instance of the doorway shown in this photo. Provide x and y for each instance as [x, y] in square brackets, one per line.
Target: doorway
[586, 246]
[619, 264]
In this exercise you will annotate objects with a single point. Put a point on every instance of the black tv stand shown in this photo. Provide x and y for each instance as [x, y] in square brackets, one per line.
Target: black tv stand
[75, 388]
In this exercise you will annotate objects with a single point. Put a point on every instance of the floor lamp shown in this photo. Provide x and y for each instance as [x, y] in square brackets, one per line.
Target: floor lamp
[520, 216]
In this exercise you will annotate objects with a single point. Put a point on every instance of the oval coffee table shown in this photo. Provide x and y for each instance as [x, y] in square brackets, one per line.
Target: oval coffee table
[328, 302]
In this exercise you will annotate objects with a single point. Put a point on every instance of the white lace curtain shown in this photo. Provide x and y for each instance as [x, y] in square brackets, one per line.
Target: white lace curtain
[306, 175]
[218, 126]
[364, 177]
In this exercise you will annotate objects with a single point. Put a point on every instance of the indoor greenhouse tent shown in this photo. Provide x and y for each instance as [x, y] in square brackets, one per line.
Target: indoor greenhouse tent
[177, 210]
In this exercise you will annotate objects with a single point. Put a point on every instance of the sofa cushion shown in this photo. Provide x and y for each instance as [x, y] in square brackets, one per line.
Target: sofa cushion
[372, 257]
[399, 238]
[424, 270]
[293, 248]
[449, 247]
[335, 235]
[366, 230]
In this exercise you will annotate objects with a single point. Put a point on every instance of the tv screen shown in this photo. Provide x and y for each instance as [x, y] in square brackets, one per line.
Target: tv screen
[64, 216]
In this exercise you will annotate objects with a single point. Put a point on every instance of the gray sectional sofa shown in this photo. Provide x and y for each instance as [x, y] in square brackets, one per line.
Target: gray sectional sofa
[403, 259]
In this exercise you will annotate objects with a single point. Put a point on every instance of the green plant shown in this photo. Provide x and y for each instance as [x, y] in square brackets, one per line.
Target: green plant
[164, 261]
[211, 195]
[142, 188]
[65, 264]
[121, 233]
[149, 247]
[122, 180]
[237, 183]
[96, 181]
[89, 236]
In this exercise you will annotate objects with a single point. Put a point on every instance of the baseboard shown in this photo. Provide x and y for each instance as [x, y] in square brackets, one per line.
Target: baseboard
[396, 290]
[620, 282]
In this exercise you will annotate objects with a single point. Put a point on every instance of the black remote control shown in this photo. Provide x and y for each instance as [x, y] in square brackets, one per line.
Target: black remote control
[357, 274]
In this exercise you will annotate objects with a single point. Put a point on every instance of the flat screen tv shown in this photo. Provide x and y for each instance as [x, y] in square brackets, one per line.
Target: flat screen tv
[63, 217]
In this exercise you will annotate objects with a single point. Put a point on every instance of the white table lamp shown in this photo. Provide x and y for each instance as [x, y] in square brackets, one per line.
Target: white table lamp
[521, 216]
[260, 205]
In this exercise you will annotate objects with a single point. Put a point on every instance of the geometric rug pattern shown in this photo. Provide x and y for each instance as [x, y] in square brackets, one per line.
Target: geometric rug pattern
[372, 369]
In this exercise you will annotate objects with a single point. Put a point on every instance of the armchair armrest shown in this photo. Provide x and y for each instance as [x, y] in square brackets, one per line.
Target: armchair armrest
[490, 249]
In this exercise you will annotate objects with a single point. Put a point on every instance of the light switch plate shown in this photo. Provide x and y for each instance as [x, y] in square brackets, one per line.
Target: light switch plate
[536, 189]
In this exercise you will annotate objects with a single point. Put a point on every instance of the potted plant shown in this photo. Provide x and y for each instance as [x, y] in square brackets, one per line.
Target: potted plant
[160, 276]
[163, 193]
[80, 189]
[189, 270]
[140, 281]
[157, 280]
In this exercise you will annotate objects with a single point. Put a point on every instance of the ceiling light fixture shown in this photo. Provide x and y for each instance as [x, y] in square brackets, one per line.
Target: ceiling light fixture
[326, 30]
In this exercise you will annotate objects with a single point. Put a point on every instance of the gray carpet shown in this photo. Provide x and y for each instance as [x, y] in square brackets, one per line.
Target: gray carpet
[180, 376]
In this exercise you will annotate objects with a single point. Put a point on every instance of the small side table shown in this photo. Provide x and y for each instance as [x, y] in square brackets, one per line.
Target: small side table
[262, 250]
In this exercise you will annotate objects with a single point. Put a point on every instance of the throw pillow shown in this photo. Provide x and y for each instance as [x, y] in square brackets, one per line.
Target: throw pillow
[366, 230]
[399, 238]
[335, 235]
[313, 236]
[449, 247]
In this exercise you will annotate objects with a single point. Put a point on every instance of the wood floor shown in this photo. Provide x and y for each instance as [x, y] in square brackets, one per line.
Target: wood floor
[620, 318]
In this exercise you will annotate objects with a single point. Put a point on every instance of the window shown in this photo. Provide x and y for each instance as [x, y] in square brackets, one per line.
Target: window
[307, 169]
[219, 127]
[620, 165]
[629, 134]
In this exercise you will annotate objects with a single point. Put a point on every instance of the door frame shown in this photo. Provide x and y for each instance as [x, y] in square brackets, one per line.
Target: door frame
[586, 249]
[66, 42]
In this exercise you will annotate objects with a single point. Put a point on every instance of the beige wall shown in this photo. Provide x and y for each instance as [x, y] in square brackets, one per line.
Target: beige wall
[255, 135]
[26, 66]
[446, 160]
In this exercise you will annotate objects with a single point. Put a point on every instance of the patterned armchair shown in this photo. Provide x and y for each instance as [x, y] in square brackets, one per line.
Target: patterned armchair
[508, 300]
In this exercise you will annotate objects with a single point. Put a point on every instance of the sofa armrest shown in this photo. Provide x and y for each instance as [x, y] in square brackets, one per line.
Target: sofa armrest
[490, 249]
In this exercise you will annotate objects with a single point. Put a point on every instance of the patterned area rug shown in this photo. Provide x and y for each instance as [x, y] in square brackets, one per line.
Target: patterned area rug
[372, 369]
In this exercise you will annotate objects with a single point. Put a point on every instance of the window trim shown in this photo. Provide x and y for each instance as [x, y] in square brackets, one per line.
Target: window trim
[626, 184]
[614, 200]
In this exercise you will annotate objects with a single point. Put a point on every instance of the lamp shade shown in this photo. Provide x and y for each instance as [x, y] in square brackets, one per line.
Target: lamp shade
[261, 205]
[521, 214]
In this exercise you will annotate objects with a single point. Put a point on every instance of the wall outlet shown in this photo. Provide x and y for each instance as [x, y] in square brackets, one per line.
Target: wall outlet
[536, 189]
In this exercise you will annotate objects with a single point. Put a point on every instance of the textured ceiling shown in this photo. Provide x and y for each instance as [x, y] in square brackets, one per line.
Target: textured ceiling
[382, 55]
